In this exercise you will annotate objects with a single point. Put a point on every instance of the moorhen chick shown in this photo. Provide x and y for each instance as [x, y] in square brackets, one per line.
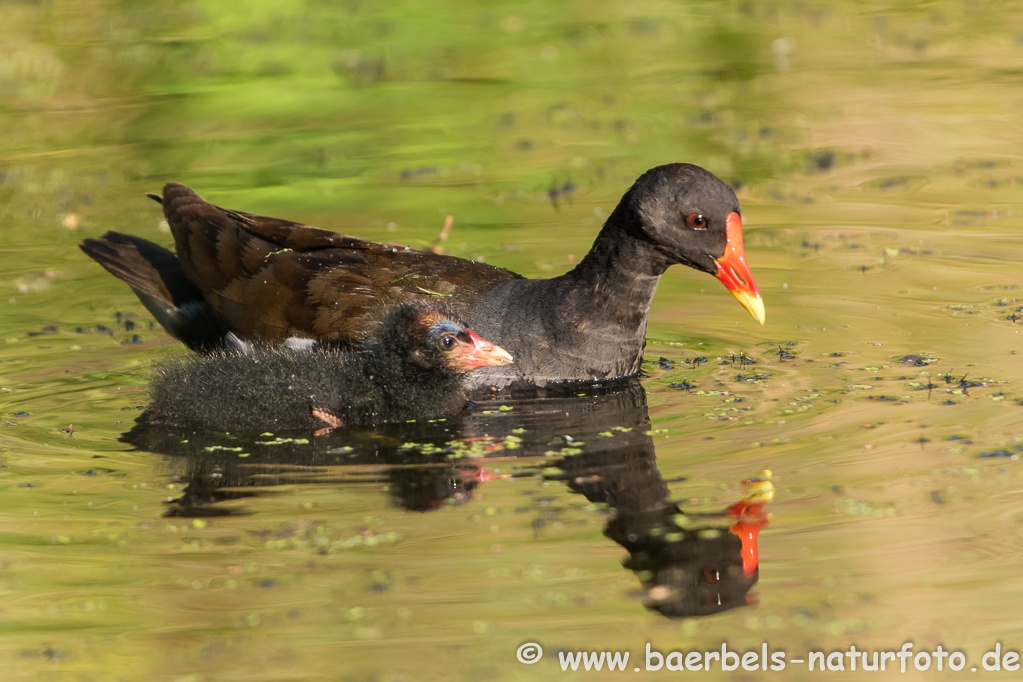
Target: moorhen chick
[241, 276]
[414, 369]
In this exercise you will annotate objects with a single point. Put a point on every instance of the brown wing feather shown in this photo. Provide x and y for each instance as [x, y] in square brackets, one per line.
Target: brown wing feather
[271, 279]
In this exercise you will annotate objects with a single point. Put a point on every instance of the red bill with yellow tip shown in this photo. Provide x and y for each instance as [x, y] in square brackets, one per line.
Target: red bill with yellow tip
[477, 352]
[734, 272]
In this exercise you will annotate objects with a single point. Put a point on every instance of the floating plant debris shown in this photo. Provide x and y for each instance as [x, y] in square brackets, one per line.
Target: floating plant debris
[917, 360]
[1010, 453]
[48, 329]
[742, 359]
[784, 354]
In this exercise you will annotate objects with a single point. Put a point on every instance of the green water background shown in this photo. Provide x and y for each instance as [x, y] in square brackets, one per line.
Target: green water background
[876, 147]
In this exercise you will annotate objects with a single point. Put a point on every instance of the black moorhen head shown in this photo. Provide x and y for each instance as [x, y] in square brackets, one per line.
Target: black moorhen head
[234, 275]
[414, 368]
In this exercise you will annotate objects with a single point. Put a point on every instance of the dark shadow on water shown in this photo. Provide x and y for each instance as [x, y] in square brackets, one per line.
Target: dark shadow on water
[594, 439]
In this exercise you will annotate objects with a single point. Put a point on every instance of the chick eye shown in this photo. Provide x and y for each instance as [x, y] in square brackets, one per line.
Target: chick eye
[696, 221]
[447, 342]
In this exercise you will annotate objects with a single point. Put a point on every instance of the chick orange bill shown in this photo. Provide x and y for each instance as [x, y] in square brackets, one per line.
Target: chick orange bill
[734, 272]
[475, 352]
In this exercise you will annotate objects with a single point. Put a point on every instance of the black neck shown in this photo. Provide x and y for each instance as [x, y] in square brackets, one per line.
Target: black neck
[589, 323]
[621, 271]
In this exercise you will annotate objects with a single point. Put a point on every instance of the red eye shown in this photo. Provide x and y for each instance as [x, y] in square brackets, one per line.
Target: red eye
[696, 221]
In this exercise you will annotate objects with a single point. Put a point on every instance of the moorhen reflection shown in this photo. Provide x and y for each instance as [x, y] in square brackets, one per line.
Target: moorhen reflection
[688, 564]
[533, 423]
[234, 275]
[415, 369]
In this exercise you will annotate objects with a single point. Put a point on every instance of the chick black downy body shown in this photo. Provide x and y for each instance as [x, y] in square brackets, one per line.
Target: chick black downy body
[413, 368]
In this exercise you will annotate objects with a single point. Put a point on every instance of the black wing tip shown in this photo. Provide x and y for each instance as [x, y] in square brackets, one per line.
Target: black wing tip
[155, 197]
[102, 244]
[105, 239]
[89, 246]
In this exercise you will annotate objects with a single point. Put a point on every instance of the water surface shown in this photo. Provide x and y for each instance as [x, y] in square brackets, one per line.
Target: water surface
[875, 153]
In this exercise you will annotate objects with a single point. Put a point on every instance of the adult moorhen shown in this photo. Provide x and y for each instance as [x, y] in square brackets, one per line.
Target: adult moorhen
[415, 369]
[241, 276]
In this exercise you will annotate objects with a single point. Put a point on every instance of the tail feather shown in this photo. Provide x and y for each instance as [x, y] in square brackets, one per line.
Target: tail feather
[155, 275]
[143, 265]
